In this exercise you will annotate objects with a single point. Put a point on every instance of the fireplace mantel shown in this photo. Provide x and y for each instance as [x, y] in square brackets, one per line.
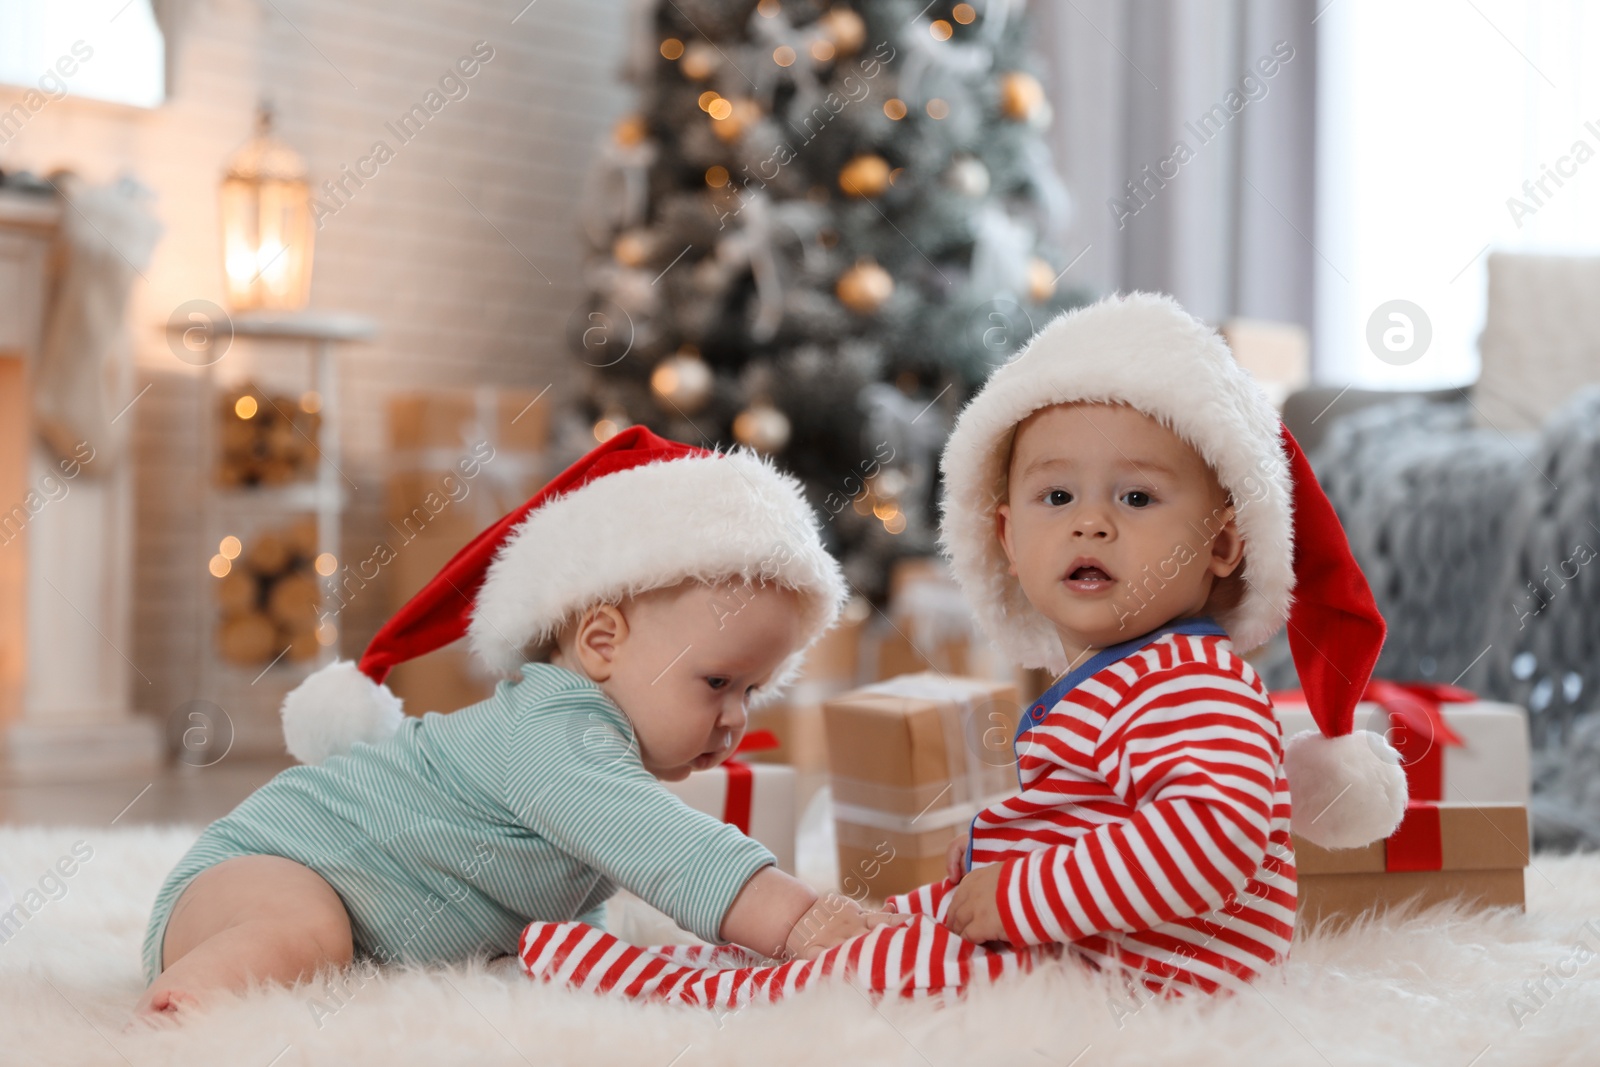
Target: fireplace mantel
[65, 681]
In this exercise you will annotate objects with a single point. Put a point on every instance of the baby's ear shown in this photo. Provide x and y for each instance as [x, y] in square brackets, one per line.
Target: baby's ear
[601, 631]
[1002, 533]
[1227, 549]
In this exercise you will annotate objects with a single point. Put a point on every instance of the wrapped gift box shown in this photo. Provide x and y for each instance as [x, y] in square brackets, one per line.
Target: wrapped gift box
[1441, 852]
[1480, 757]
[458, 460]
[758, 798]
[929, 625]
[802, 744]
[911, 761]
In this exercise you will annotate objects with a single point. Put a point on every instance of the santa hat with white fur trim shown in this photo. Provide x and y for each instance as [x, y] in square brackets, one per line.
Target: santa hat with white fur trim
[634, 514]
[1145, 351]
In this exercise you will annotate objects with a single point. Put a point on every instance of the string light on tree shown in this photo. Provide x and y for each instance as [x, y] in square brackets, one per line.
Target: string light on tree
[762, 427]
[612, 422]
[633, 248]
[865, 287]
[1041, 280]
[730, 123]
[629, 131]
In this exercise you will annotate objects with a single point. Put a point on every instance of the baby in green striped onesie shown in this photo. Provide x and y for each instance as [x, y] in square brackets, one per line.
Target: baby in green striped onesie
[442, 839]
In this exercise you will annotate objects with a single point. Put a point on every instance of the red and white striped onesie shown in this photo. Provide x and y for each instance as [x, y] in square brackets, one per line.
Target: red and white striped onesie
[1150, 836]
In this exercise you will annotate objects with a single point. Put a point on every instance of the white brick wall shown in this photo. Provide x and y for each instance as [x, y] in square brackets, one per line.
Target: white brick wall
[455, 303]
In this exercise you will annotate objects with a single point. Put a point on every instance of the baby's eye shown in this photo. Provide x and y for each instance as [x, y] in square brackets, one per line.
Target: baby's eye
[1057, 497]
[1137, 498]
[717, 682]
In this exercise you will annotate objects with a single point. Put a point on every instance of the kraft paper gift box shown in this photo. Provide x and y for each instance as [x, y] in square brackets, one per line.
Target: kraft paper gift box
[911, 761]
[459, 459]
[929, 625]
[1454, 747]
[758, 798]
[831, 666]
[1441, 852]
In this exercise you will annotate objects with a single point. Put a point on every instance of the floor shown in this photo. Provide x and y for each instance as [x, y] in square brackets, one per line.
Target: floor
[180, 793]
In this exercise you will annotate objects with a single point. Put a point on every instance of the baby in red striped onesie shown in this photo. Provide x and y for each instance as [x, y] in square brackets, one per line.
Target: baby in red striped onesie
[1121, 507]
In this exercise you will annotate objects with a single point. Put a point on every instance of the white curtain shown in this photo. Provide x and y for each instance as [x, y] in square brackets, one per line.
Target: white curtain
[1227, 229]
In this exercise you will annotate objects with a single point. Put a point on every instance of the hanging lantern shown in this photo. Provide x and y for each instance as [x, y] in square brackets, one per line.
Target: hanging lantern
[266, 224]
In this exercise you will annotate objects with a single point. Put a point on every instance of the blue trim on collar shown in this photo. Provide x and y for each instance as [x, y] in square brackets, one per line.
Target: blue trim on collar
[1200, 624]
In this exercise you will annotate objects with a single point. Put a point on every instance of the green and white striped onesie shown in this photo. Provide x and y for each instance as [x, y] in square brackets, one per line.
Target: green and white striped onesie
[450, 837]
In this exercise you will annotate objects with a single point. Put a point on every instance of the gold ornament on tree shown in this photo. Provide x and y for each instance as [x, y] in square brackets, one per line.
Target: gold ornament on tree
[1022, 98]
[682, 382]
[865, 287]
[865, 176]
[1041, 280]
[762, 427]
[844, 29]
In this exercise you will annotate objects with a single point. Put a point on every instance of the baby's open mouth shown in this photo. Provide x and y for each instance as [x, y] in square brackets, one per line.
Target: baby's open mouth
[1089, 576]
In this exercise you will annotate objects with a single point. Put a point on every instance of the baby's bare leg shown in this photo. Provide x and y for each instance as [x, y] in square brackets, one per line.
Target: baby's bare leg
[251, 918]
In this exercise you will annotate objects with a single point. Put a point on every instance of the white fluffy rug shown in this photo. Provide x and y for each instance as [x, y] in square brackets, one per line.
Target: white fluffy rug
[1442, 988]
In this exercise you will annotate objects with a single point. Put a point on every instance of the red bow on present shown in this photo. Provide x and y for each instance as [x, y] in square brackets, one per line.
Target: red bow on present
[741, 779]
[1418, 729]
[1417, 844]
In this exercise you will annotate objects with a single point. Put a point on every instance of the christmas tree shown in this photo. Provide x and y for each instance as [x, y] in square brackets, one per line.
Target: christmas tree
[818, 234]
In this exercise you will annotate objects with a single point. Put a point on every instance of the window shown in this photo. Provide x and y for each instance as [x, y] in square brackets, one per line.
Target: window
[99, 49]
[1432, 116]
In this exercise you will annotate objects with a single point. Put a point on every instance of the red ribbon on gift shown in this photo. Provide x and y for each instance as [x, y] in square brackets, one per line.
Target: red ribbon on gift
[1417, 729]
[1415, 844]
[737, 803]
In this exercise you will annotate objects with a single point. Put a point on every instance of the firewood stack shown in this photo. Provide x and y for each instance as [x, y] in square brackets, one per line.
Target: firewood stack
[266, 440]
[269, 598]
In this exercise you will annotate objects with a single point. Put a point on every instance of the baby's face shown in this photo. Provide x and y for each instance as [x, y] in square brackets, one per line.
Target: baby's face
[1113, 524]
[689, 664]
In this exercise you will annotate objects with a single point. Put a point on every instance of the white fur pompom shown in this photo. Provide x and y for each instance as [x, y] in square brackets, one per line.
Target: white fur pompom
[1347, 791]
[333, 709]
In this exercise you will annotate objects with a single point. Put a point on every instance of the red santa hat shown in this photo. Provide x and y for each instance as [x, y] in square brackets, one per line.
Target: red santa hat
[1145, 351]
[635, 514]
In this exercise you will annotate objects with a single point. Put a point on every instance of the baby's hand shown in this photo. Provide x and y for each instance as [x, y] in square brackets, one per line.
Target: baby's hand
[956, 858]
[973, 912]
[831, 920]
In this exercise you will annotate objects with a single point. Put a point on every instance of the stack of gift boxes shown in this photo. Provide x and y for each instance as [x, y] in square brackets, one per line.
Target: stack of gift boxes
[1465, 835]
[910, 757]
